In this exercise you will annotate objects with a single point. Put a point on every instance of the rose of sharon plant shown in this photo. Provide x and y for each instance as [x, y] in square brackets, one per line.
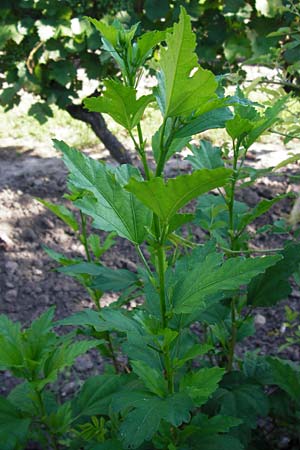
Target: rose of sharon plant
[177, 389]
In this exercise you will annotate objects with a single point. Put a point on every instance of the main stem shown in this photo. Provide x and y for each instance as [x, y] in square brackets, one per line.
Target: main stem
[51, 436]
[232, 342]
[84, 236]
[140, 147]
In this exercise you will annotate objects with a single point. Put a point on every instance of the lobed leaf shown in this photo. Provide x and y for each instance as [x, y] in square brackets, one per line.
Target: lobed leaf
[202, 384]
[120, 102]
[112, 207]
[166, 198]
[273, 285]
[206, 156]
[179, 93]
[95, 395]
[144, 421]
[208, 278]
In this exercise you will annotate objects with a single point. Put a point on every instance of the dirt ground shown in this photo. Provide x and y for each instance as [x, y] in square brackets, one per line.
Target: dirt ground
[28, 285]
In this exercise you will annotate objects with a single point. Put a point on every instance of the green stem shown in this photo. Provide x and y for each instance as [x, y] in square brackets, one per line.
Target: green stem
[232, 198]
[84, 236]
[112, 352]
[164, 320]
[50, 435]
[162, 151]
[142, 152]
[239, 252]
[144, 261]
[161, 276]
[232, 342]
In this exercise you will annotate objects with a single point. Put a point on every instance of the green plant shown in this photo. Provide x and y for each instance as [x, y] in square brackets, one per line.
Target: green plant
[183, 392]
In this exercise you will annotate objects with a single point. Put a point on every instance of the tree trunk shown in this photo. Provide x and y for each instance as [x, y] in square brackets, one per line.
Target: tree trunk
[115, 148]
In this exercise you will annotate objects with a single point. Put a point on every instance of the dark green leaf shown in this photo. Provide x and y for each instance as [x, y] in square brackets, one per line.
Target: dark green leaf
[96, 394]
[105, 278]
[206, 156]
[153, 380]
[13, 427]
[208, 278]
[206, 121]
[240, 398]
[143, 422]
[272, 286]
[261, 208]
[202, 384]
[286, 376]
[112, 208]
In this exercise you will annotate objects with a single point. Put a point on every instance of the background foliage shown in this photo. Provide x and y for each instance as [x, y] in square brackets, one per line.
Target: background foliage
[48, 48]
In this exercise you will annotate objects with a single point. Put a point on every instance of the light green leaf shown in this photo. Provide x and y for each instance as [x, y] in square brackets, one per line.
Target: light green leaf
[10, 343]
[60, 420]
[120, 102]
[206, 156]
[209, 278]
[99, 248]
[146, 43]
[152, 379]
[179, 93]
[175, 146]
[112, 207]
[290, 160]
[238, 127]
[263, 124]
[202, 384]
[64, 356]
[165, 199]
[59, 257]
[62, 212]
[178, 220]
[109, 32]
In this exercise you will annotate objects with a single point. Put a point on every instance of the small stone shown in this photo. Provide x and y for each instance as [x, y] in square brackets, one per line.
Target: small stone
[9, 285]
[83, 363]
[11, 267]
[69, 388]
[44, 299]
[46, 223]
[260, 320]
[11, 295]
[284, 442]
[29, 235]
